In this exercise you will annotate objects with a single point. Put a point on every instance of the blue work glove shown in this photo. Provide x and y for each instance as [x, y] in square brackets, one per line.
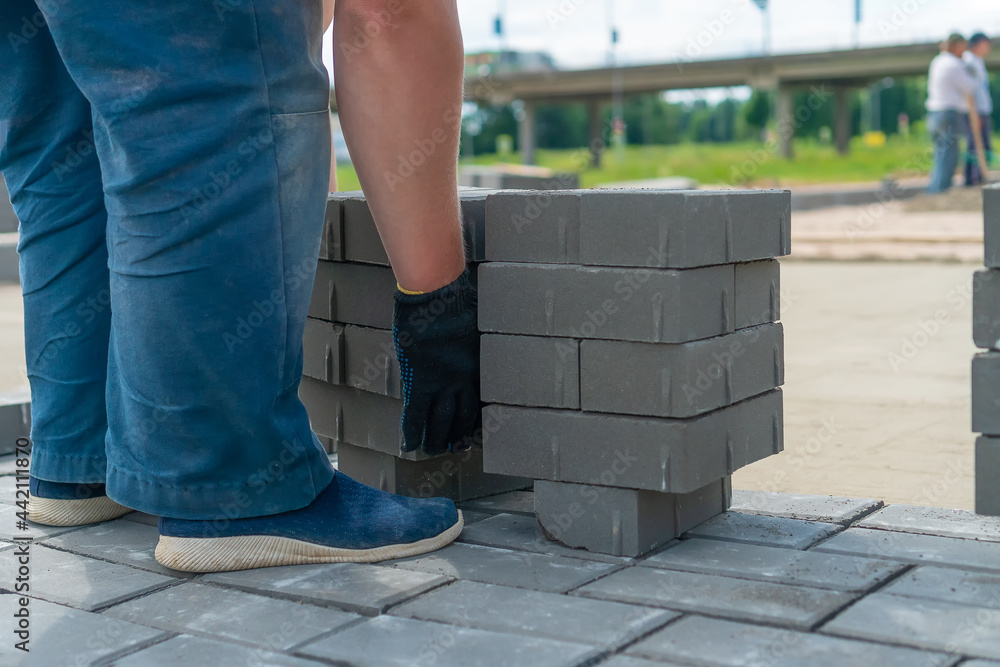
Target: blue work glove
[437, 345]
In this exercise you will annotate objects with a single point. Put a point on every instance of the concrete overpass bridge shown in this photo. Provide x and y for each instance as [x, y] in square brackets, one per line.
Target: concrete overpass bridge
[832, 73]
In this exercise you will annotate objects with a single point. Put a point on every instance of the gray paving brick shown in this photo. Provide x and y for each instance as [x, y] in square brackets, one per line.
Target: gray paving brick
[949, 585]
[530, 370]
[522, 533]
[758, 293]
[370, 361]
[652, 305]
[61, 635]
[791, 606]
[360, 418]
[519, 569]
[929, 624]
[533, 226]
[470, 517]
[358, 588]
[991, 226]
[142, 517]
[986, 393]
[623, 522]
[9, 529]
[194, 608]
[323, 351]
[981, 663]
[389, 641]
[359, 294]
[986, 308]
[828, 509]
[700, 640]
[682, 380]
[331, 246]
[912, 548]
[764, 530]
[629, 661]
[119, 541]
[536, 614]
[15, 419]
[934, 521]
[457, 476]
[187, 650]
[783, 566]
[78, 581]
[9, 486]
[8, 465]
[987, 474]
[670, 455]
[512, 502]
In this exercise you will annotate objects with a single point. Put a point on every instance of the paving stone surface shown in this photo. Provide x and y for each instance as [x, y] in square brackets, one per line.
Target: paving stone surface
[765, 530]
[126, 542]
[187, 650]
[950, 585]
[792, 606]
[934, 521]
[8, 489]
[9, 526]
[200, 609]
[563, 617]
[783, 566]
[629, 661]
[390, 640]
[828, 509]
[930, 624]
[911, 548]
[709, 641]
[520, 569]
[357, 588]
[514, 502]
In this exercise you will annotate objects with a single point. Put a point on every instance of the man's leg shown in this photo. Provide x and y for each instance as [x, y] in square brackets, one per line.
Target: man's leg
[935, 126]
[971, 166]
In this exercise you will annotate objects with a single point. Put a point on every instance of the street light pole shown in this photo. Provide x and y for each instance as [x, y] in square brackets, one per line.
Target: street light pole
[765, 15]
[617, 92]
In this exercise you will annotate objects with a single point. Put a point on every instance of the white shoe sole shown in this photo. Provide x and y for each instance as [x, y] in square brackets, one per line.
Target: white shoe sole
[72, 512]
[244, 552]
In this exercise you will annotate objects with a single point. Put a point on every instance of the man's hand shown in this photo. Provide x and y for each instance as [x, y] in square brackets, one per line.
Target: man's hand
[437, 344]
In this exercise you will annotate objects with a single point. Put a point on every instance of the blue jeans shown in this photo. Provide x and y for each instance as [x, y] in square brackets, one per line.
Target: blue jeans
[168, 162]
[972, 170]
[945, 127]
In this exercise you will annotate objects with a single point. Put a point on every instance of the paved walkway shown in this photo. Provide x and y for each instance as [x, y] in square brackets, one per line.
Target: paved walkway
[782, 580]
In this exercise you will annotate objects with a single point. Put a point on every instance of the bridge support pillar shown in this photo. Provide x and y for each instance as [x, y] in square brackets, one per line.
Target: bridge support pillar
[594, 133]
[526, 133]
[786, 120]
[841, 119]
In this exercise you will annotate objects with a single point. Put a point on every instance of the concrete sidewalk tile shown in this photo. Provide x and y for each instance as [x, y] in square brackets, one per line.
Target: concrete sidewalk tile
[533, 613]
[78, 581]
[188, 650]
[512, 502]
[987, 474]
[790, 606]
[828, 509]
[530, 370]
[9, 486]
[758, 293]
[783, 566]
[469, 517]
[519, 569]
[522, 533]
[681, 380]
[8, 464]
[764, 530]
[669, 455]
[15, 419]
[62, 635]
[323, 351]
[390, 641]
[929, 624]
[986, 307]
[353, 587]
[119, 541]
[622, 522]
[370, 361]
[628, 661]
[9, 526]
[712, 641]
[359, 294]
[986, 393]
[991, 226]
[949, 585]
[533, 226]
[934, 521]
[652, 305]
[912, 548]
[227, 614]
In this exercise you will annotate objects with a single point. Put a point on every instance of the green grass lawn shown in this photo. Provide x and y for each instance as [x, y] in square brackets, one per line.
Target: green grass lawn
[734, 164]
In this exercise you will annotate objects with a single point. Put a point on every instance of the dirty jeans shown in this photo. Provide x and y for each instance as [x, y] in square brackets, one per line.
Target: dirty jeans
[946, 127]
[168, 163]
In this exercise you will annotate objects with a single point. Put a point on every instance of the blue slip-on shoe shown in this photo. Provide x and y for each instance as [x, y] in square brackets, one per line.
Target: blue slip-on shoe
[348, 522]
[70, 504]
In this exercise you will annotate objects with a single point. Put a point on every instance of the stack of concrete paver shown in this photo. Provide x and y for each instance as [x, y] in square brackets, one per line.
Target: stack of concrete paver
[986, 365]
[631, 354]
[517, 177]
[351, 384]
[15, 418]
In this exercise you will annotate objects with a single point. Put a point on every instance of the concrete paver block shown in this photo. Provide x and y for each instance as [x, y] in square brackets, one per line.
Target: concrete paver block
[323, 351]
[518, 569]
[986, 308]
[680, 380]
[991, 226]
[652, 305]
[623, 522]
[912, 548]
[391, 641]
[669, 455]
[783, 566]
[764, 530]
[790, 606]
[988, 476]
[533, 226]
[828, 509]
[370, 361]
[331, 246]
[353, 587]
[758, 293]
[359, 294]
[457, 476]
[227, 614]
[536, 614]
[949, 585]
[188, 650]
[700, 640]
[934, 521]
[120, 541]
[530, 370]
[512, 502]
[360, 418]
[15, 419]
[36, 531]
[929, 624]
[986, 393]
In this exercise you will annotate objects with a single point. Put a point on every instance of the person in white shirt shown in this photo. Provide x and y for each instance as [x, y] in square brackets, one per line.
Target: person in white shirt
[950, 91]
[979, 48]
